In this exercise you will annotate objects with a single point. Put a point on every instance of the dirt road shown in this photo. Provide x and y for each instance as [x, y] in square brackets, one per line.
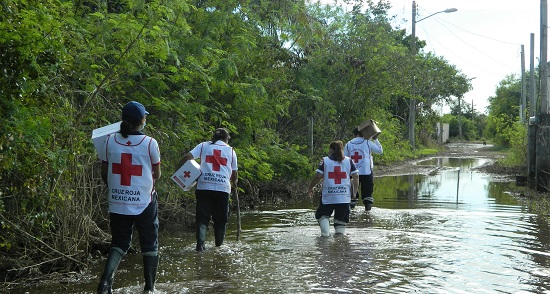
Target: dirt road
[454, 150]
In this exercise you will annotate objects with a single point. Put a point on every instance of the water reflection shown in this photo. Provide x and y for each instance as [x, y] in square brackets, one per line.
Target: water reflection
[453, 231]
[455, 183]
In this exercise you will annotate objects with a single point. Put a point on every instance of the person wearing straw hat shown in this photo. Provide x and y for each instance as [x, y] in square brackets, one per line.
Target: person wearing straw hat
[131, 168]
[360, 150]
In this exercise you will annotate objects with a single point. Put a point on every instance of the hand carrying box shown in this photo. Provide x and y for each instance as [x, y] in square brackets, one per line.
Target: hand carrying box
[186, 176]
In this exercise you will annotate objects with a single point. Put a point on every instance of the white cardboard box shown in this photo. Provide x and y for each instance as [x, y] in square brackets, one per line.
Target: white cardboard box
[100, 135]
[187, 175]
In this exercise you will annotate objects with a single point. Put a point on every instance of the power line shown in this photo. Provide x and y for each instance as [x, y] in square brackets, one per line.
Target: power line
[472, 46]
[479, 35]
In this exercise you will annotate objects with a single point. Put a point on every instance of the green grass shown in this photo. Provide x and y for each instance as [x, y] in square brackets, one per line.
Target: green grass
[426, 152]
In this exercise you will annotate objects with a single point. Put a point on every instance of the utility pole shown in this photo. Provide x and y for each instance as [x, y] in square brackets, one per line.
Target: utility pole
[523, 101]
[543, 56]
[472, 117]
[542, 133]
[531, 128]
[459, 120]
[412, 105]
[532, 85]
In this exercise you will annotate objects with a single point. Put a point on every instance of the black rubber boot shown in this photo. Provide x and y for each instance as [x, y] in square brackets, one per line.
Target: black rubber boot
[219, 235]
[368, 201]
[353, 203]
[113, 259]
[201, 236]
[150, 266]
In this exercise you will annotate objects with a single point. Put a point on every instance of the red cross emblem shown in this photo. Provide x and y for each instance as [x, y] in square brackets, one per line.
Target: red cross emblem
[337, 175]
[356, 157]
[216, 160]
[129, 143]
[126, 169]
[186, 174]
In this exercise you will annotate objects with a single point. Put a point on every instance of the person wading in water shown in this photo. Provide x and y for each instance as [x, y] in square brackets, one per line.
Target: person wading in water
[131, 165]
[218, 165]
[340, 181]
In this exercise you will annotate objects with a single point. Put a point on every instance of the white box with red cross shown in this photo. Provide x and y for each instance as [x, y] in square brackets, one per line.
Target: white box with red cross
[186, 176]
[100, 135]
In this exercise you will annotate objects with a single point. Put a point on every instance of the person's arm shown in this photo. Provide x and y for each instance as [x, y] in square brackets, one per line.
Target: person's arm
[316, 180]
[185, 158]
[375, 146]
[154, 155]
[156, 171]
[234, 178]
[104, 171]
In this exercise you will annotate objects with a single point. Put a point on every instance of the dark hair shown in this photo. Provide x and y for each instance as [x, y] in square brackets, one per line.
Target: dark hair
[357, 132]
[132, 114]
[220, 134]
[129, 125]
[337, 148]
[126, 127]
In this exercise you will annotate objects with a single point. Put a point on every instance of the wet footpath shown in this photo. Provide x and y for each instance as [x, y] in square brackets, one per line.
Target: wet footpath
[454, 230]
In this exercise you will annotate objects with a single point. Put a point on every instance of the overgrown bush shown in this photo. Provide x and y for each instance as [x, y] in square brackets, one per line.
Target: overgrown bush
[516, 138]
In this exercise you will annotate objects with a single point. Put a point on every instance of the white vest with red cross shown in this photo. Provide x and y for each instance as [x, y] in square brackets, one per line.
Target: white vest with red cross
[130, 177]
[218, 161]
[360, 151]
[336, 181]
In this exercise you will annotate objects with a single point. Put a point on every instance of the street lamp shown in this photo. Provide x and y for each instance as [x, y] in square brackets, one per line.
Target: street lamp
[412, 105]
[460, 114]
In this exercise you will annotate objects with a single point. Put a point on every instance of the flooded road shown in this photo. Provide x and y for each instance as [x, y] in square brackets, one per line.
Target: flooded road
[453, 231]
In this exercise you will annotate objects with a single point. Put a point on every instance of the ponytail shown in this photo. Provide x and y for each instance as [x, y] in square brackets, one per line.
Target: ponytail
[337, 148]
[125, 128]
[220, 134]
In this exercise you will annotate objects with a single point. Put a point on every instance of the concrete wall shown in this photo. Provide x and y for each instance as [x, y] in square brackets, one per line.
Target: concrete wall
[442, 133]
[542, 152]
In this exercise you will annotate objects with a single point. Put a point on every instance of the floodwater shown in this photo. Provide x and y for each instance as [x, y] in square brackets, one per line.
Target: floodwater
[453, 231]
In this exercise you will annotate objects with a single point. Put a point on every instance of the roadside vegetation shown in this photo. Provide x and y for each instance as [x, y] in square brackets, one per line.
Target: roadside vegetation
[509, 135]
[503, 123]
[284, 77]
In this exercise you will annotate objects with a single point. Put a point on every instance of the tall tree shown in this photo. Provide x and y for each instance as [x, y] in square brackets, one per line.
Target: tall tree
[504, 110]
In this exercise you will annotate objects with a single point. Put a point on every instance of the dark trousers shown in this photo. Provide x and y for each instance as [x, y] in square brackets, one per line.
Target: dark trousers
[213, 204]
[341, 211]
[147, 225]
[366, 186]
